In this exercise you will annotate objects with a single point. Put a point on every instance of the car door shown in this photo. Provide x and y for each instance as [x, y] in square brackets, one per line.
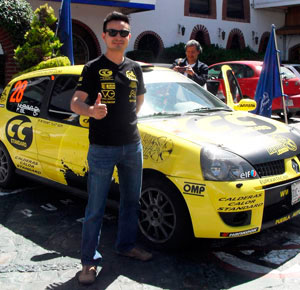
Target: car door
[24, 104]
[61, 140]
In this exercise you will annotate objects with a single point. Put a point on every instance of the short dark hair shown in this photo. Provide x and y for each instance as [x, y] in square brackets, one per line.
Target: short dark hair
[195, 43]
[115, 16]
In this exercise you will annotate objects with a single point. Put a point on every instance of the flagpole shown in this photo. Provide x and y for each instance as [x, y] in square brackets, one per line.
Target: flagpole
[281, 86]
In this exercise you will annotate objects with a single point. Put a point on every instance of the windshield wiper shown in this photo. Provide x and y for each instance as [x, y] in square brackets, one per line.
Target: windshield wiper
[162, 114]
[207, 109]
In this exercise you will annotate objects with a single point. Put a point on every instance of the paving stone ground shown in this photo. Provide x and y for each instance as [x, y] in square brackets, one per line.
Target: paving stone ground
[40, 232]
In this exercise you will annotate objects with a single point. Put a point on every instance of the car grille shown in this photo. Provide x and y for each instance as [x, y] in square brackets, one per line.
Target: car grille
[270, 168]
[277, 204]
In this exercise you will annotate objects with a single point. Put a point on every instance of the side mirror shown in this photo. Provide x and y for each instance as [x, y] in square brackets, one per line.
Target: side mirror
[245, 105]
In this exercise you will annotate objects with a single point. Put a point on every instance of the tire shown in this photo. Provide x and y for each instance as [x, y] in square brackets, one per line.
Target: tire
[7, 168]
[164, 219]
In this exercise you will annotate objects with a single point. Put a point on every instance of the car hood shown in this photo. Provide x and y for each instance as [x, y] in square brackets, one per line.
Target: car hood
[255, 138]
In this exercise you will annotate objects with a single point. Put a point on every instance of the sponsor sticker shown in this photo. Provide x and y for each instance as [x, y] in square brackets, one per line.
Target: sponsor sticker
[239, 234]
[19, 132]
[194, 188]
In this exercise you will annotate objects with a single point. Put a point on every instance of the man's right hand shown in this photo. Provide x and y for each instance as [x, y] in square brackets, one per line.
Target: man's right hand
[98, 111]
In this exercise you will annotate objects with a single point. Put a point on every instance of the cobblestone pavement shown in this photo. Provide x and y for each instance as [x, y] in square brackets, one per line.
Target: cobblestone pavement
[40, 231]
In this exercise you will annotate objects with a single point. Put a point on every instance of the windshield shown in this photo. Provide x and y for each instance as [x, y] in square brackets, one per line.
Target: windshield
[171, 93]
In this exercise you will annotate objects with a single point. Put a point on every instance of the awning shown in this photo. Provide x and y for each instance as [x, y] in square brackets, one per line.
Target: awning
[130, 5]
[288, 30]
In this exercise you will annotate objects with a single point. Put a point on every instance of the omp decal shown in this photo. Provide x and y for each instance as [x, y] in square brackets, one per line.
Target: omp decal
[22, 108]
[193, 188]
[239, 234]
[131, 75]
[250, 173]
[240, 203]
[73, 179]
[18, 91]
[283, 145]
[157, 148]
[19, 132]
[106, 74]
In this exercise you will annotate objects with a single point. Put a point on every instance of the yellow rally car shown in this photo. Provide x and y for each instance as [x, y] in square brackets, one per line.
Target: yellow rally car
[209, 170]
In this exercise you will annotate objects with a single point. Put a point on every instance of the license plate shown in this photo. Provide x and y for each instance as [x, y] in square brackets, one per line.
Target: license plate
[295, 192]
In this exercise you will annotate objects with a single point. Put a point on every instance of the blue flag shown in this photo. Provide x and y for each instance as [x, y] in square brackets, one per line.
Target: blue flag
[64, 30]
[269, 83]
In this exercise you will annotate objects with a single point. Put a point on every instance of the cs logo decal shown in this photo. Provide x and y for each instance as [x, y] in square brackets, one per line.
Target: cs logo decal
[19, 132]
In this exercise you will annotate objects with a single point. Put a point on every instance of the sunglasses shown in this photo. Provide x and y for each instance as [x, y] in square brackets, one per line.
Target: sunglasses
[114, 32]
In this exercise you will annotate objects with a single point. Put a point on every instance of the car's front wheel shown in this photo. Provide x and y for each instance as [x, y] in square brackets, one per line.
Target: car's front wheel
[7, 168]
[164, 220]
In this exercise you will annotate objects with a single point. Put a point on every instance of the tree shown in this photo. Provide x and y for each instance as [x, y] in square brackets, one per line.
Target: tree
[41, 43]
[15, 18]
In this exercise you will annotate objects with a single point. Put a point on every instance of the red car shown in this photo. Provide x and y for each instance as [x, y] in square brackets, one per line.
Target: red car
[247, 72]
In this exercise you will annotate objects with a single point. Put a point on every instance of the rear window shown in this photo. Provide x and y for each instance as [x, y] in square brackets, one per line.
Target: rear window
[26, 96]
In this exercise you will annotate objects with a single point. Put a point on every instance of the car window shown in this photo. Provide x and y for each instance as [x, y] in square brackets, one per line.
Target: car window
[59, 106]
[26, 96]
[242, 71]
[286, 73]
[297, 68]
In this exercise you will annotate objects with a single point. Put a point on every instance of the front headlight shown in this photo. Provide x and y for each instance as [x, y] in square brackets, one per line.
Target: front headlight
[221, 165]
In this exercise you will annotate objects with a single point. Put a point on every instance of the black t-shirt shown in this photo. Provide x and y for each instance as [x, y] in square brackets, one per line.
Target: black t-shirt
[119, 86]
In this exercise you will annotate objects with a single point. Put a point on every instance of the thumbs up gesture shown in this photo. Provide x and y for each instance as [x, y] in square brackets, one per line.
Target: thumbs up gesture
[99, 111]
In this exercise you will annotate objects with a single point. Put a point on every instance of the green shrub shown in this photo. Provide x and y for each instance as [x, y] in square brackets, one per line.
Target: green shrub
[15, 18]
[41, 42]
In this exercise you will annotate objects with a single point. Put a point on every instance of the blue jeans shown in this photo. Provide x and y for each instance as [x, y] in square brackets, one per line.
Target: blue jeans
[102, 159]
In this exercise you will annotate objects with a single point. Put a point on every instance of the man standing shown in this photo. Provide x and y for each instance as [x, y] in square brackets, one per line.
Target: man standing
[111, 92]
[191, 66]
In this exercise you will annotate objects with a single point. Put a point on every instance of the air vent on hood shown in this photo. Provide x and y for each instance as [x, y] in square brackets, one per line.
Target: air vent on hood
[270, 168]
